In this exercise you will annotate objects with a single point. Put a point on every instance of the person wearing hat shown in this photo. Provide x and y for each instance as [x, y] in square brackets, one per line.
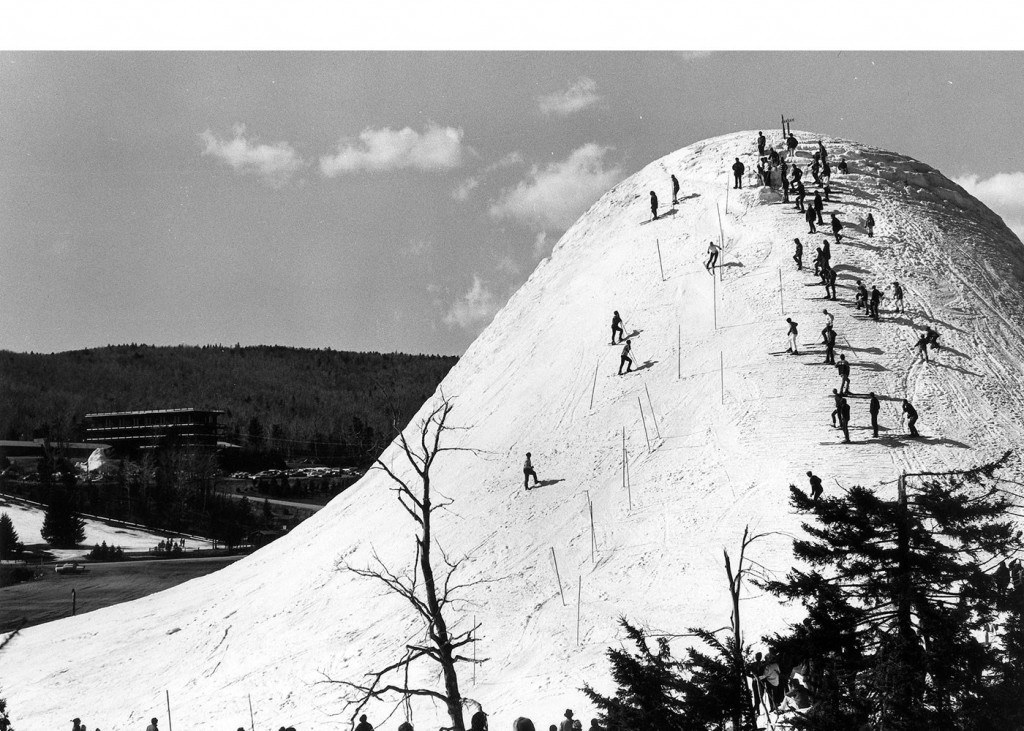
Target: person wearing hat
[478, 722]
[77, 725]
[566, 725]
[527, 471]
[152, 725]
[363, 724]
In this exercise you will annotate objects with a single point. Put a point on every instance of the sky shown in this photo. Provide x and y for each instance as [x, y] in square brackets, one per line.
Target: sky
[393, 201]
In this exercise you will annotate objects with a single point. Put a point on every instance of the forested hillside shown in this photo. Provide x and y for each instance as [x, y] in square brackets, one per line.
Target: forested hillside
[288, 400]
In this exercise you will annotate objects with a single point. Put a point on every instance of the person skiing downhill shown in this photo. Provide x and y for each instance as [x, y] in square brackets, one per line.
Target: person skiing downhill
[712, 256]
[792, 333]
[654, 206]
[798, 255]
[816, 488]
[874, 407]
[737, 173]
[626, 359]
[527, 473]
[675, 190]
[617, 327]
[897, 295]
[869, 222]
[911, 412]
[837, 226]
[843, 367]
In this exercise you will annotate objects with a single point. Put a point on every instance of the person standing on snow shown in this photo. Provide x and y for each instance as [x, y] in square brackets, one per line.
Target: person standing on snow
[862, 296]
[712, 256]
[931, 337]
[816, 488]
[737, 173]
[831, 283]
[819, 206]
[617, 327]
[784, 174]
[809, 215]
[876, 299]
[801, 193]
[911, 412]
[654, 206]
[822, 152]
[838, 411]
[829, 337]
[819, 261]
[527, 473]
[567, 723]
[922, 347]
[837, 226]
[843, 167]
[869, 222]
[830, 319]
[844, 375]
[844, 419]
[675, 190]
[798, 255]
[626, 359]
[760, 144]
[826, 173]
[792, 337]
[791, 145]
[897, 295]
[874, 407]
[816, 171]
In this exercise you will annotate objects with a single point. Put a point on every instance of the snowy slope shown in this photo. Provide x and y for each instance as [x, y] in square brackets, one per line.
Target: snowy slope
[731, 440]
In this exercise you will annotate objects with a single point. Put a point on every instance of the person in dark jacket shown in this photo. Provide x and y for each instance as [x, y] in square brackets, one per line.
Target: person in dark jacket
[654, 206]
[819, 261]
[911, 412]
[876, 299]
[843, 167]
[773, 157]
[816, 488]
[819, 206]
[838, 410]
[675, 190]
[809, 216]
[712, 257]
[801, 193]
[922, 347]
[816, 172]
[617, 327]
[897, 296]
[363, 724]
[869, 222]
[798, 254]
[1002, 577]
[837, 226]
[822, 152]
[862, 296]
[843, 367]
[626, 359]
[844, 420]
[874, 407]
[760, 144]
[784, 176]
[791, 145]
[791, 334]
[527, 473]
[831, 284]
[737, 173]
[829, 338]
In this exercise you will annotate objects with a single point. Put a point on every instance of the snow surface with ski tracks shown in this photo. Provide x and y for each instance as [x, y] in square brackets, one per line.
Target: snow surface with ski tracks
[729, 426]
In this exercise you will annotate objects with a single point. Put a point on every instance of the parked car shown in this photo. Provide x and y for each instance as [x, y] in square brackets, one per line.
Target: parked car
[69, 568]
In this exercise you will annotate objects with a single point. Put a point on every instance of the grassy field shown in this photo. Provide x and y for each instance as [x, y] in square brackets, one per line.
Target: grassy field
[105, 584]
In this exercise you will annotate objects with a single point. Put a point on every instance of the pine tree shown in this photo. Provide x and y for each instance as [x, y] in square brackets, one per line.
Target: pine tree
[709, 689]
[62, 526]
[10, 545]
[650, 687]
[906, 577]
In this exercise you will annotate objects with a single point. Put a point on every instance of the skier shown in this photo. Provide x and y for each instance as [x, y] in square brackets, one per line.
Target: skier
[843, 167]
[844, 419]
[791, 144]
[363, 724]
[897, 295]
[798, 255]
[819, 261]
[818, 207]
[737, 173]
[626, 359]
[654, 206]
[829, 337]
[931, 337]
[911, 412]
[809, 215]
[836, 226]
[830, 319]
[816, 172]
[862, 296]
[874, 408]
[922, 347]
[827, 191]
[800, 195]
[844, 374]
[876, 299]
[675, 190]
[869, 222]
[838, 411]
[785, 182]
[527, 472]
[822, 152]
[760, 144]
[826, 173]
[816, 488]
[712, 256]
[792, 337]
[567, 724]
[617, 327]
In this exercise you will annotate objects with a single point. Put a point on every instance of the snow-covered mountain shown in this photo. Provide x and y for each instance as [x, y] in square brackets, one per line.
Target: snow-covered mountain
[730, 424]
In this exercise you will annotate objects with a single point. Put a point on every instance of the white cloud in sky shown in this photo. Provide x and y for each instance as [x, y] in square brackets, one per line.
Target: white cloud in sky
[476, 306]
[579, 96]
[555, 196]
[436, 148]
[467, 186]
[1003, 193]
[540, 244]
[276, 163]
[464, 188]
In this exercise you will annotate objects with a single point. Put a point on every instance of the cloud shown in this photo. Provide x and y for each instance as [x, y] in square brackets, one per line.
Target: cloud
[276, 163]
[1003, 193]
[576, 98]
[540, 244]
[437, 148]
[464, 188]
[476, 306]
[467, 186]
[555, 196]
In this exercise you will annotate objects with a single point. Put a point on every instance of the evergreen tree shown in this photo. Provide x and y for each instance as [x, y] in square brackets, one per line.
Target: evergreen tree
[10, 545]
[62, 526]
[709, 689]
[904, 578]
[650, 687]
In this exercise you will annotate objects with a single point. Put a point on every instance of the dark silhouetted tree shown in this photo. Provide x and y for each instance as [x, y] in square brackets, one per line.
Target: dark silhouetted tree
[62, 526]
[10, 545]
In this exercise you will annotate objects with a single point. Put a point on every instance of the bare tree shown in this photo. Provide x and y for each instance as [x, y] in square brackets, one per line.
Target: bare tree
[432, 599]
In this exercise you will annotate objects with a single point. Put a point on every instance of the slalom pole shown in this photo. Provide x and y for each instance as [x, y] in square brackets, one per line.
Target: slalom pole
[593, 535]
[644, 421]
[721, 237]
[660, 266]
[714, 297]
[559, 578]
[657, 431]
[474, 649]
[721, 373]
[170, 726]
[782, 306]
[594, 387]
[252, 719]
[726, 193]
[679, 351]
[579, 601]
